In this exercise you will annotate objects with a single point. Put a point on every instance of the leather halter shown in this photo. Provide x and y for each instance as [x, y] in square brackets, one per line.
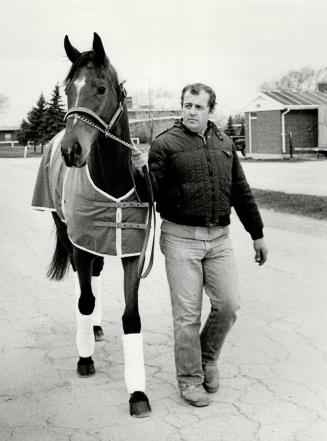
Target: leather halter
[75, 112]
[78, 112]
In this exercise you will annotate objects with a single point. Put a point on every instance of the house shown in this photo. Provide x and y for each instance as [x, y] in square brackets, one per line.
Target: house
[8, 136]
[281, 122]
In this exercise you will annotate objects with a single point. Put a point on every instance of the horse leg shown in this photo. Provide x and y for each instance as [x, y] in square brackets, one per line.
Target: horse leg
[84, 311]
[97, 292]
[133, 342]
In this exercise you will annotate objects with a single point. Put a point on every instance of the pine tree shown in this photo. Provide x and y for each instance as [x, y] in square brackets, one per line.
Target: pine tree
[31, 130]
[54, 116]
[23, 135]
[229, 130]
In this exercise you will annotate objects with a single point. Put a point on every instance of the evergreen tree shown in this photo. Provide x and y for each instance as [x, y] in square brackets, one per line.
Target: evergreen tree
[54, 116]
[229, 130]
[23, 134]
[31, 130]
[239, 118]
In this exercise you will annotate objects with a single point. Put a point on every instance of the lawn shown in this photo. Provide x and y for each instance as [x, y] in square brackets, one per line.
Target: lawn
[299, 204]
[18, 151]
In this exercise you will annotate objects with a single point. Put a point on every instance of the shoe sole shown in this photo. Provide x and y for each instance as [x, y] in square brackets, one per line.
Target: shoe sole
[196, 403]
[210, 390]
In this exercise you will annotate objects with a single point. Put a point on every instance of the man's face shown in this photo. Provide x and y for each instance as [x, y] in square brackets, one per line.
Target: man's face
[195, 111]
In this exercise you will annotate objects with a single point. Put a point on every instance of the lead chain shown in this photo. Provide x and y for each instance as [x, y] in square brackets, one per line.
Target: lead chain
[105, 132]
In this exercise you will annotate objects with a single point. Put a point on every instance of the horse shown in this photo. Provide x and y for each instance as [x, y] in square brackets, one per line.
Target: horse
[87, 181]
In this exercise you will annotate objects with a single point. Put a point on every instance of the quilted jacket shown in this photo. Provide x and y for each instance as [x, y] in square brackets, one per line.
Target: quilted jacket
[197, 179]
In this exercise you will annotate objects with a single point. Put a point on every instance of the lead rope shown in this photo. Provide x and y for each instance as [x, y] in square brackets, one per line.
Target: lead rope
[148, 229]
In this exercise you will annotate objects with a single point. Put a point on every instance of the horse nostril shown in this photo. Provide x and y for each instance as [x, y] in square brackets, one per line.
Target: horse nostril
[77, 149]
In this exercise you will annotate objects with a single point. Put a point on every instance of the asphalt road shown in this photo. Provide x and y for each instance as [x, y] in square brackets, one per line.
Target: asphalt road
[273, 366]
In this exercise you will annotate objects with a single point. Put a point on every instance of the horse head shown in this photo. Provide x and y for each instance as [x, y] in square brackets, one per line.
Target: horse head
[93, 97]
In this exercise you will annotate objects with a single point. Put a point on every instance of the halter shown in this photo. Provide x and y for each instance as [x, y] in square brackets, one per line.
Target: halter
[77, 112]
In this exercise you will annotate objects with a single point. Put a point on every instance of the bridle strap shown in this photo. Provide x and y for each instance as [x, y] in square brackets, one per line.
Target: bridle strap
[84, 110]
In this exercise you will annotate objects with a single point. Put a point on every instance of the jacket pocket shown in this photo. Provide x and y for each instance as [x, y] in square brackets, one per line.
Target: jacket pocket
[227, 153]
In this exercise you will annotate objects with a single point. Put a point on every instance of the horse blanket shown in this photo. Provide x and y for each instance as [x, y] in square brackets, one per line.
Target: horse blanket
[96, 221]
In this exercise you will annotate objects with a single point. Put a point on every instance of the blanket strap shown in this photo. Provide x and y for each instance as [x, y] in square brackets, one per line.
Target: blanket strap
[121, 225]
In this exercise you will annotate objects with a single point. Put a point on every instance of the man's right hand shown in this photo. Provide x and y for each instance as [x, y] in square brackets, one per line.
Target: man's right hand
[139, 160]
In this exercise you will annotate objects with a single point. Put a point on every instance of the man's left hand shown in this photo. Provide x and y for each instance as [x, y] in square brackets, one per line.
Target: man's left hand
[261, 251]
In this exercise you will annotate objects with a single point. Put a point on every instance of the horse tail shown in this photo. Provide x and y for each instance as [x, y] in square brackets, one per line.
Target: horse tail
[59, 264]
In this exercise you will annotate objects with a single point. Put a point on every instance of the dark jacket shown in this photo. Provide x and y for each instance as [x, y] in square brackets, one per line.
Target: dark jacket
[197, 179]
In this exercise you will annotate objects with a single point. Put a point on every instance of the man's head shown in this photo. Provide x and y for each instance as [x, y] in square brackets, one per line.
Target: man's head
[198, 102]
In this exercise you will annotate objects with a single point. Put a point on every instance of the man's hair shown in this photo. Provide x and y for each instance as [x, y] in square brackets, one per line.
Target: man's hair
[195, 89]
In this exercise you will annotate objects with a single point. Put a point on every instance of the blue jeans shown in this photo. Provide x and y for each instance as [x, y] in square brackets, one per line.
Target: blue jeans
[191, 266]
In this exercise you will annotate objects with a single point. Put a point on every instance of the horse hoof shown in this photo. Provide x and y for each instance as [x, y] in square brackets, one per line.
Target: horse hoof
[98, 333]
[85, 370]
[139, 406]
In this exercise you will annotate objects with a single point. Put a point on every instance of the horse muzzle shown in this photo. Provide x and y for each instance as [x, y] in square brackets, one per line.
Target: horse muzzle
[73, 156]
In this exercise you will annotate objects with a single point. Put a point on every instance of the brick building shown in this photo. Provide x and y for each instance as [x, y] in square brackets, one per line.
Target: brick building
[276, 121]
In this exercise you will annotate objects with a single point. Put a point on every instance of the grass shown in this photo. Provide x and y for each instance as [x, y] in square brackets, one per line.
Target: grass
[18, 151]
[298, 204]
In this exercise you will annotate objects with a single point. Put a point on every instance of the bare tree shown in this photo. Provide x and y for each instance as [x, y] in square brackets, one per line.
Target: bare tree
[219, 118]
[3, 103]
[294, 80]
[153, 99]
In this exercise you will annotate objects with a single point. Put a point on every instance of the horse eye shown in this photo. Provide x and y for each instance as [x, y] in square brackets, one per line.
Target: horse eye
[101, 90]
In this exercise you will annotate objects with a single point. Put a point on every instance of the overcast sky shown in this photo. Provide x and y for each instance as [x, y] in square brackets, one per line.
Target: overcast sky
[233, 45]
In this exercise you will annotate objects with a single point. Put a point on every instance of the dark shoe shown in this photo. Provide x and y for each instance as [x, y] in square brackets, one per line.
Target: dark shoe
[211, 378]
[98, 333]
[194, 394]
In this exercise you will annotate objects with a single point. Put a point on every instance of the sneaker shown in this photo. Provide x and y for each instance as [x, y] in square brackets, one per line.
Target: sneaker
[211, 378]
[194, 394]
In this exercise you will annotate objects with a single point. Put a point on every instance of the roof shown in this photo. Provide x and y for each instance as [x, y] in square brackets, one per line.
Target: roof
[297, 98]
[8, 128]
[285, 99]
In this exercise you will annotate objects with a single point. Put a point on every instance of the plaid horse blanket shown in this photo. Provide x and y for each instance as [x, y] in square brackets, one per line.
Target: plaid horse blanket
[96, 221]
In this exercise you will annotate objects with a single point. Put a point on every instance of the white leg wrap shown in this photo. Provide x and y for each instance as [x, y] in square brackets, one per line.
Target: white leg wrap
[96, 289]
[84, 334]
[134, 362]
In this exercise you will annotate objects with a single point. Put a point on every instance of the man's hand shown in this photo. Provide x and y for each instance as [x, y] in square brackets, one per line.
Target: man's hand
[261, 251]
[139, 160]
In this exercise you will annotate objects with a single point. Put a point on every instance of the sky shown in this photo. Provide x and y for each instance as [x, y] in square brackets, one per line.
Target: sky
[232, 45]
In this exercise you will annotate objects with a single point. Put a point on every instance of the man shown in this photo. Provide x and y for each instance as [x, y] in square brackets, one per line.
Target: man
[197, 177]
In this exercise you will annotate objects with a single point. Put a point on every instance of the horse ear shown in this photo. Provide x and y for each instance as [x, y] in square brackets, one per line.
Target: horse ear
[72, 53]
[98, 49]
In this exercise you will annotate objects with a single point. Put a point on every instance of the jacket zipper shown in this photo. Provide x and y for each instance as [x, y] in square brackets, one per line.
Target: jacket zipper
[212, 214]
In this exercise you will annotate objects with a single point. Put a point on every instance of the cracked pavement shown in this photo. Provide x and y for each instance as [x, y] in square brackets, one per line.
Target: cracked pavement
[273, 366]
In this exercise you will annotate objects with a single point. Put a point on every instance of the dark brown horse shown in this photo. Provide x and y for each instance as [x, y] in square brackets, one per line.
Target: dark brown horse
[97, 208]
